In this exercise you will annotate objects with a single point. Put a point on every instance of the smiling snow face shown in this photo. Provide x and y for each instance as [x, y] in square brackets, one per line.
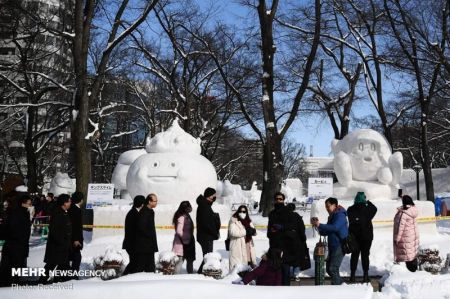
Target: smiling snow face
[173, 177]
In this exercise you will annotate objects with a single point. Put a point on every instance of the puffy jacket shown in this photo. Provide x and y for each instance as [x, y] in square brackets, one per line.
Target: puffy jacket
[406, 234]
[336, 228]
[184, 234]
[360, 217]
[238, 247]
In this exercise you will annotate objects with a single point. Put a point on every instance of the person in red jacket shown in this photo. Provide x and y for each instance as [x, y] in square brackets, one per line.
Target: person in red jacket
[268, 273]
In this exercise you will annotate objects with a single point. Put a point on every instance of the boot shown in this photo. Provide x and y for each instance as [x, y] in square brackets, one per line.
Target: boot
[352, 277]
[366, 277]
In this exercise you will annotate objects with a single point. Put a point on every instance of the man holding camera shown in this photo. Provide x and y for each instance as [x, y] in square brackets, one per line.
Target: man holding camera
[337, 230]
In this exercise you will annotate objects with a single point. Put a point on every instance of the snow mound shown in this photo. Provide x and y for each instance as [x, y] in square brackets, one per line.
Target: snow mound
[400, 283]
[212, 261]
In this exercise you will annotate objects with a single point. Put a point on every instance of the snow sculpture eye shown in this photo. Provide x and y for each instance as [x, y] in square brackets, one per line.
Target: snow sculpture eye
[155, 164]
[175, 141]
[173, 164]
[361, 146]
[373, 147]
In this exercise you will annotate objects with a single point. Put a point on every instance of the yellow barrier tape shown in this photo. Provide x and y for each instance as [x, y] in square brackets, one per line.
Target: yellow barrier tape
[420, 220]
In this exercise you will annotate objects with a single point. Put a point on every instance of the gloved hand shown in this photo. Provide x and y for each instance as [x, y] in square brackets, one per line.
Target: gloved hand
[250, 231]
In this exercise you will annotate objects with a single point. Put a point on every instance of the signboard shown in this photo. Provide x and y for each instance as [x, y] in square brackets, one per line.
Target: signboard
[99, 195]
[320, 187]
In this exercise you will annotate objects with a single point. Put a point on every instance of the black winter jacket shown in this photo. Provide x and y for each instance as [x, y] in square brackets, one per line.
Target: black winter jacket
[286, 230]
[17, 229]
[360, 220]
[146, 241]
[59, 241]
[208, 222]
[129, 240]
[76, 214]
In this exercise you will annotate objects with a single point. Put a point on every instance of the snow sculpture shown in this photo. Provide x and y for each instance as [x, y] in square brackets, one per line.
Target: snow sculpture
[119, 175]
[173, 168]
[363, 161]
[61, 184]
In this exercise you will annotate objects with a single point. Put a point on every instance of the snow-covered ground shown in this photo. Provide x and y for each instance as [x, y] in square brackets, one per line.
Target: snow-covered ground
[398, 282]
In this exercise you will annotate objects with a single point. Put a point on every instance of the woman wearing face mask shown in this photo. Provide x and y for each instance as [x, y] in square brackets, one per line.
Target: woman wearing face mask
[184, 241]
[240, 232]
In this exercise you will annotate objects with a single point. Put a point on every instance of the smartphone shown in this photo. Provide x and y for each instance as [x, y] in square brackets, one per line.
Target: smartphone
[400, 192]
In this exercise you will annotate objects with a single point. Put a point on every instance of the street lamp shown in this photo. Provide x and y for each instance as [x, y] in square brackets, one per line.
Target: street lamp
[417, 168]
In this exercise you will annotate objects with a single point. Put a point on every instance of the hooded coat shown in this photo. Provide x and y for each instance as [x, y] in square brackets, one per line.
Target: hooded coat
[238, 247]
[406, 234]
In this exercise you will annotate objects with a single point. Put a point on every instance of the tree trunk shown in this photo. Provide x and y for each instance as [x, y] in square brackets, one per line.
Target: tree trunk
[82, 146]
[426, 160]
[273, 174]
[30, 152]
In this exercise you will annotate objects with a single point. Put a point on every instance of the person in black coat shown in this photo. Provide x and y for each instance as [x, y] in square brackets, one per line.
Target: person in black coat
[76, 216]
[146, 242]
[17, 235]
[59, 241]
[286, 231]
[360, 216]
[208, 222]
[129, 241]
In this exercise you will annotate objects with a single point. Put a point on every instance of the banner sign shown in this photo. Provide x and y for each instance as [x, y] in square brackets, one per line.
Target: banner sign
[99, 195]
[320, 187]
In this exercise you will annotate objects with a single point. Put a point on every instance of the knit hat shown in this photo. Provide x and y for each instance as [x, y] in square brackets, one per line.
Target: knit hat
[208, 192]
[360, 198]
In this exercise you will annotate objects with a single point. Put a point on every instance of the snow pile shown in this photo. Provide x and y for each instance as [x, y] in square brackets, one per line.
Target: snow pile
[429, 259]
[166, 262]
[213, 265]
[229, 194]
[400, 283]
[111, 262]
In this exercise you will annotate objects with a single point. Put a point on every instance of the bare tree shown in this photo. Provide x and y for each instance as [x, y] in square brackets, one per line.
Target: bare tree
[414, 34]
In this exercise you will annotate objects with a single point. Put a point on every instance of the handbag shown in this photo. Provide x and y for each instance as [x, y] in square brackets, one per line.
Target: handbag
[320, 248]
[305, 263]
[227, 244]
[349, 244]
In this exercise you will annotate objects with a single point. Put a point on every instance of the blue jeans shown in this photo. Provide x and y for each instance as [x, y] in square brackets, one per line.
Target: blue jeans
[334, 261]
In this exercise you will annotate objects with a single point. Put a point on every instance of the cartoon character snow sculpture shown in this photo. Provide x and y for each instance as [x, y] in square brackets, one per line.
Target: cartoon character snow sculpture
[172, 168]
[119, 175]
[363, 161]
[61, 184]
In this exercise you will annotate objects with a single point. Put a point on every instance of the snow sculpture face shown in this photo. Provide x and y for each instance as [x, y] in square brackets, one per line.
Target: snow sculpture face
[368, 152]
[119, 175]
[61, 183]
[173, 168]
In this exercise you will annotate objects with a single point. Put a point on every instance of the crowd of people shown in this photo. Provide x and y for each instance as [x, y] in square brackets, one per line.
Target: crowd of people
[65, 237]
[287, 251]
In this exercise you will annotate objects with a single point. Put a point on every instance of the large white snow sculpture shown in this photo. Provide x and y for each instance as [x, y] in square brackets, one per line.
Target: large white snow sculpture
[119, 175]
[173, 168]
[61, 184]
[363, 161]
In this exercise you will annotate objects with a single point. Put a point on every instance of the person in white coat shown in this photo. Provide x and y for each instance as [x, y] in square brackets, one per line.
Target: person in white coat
[240, 232]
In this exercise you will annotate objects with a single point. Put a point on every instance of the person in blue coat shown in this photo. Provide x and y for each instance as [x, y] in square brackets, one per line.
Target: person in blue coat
[337, 230]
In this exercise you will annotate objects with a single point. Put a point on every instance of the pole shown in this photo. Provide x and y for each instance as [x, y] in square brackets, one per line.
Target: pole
[417, 183]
